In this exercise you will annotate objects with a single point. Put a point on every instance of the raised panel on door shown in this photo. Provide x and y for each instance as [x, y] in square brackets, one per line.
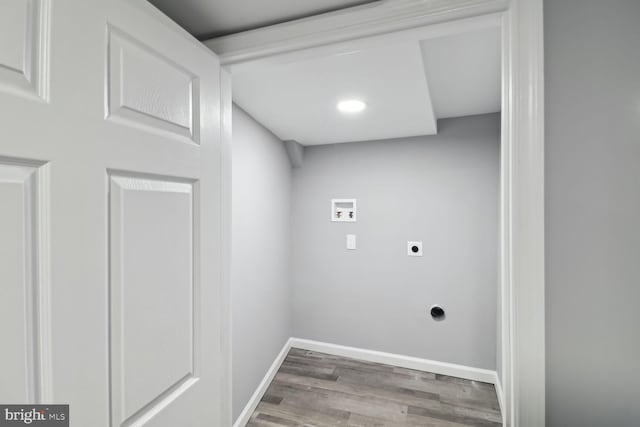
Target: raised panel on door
[149, 90]
[153, 291]
[23, 280]
[24, 38]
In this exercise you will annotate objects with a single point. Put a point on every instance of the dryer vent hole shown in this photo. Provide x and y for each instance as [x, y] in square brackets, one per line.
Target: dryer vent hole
[437, 313]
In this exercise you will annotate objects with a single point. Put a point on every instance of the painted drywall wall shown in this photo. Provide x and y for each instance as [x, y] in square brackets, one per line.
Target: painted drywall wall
[260, 273]
[592, 101]
[442, 190]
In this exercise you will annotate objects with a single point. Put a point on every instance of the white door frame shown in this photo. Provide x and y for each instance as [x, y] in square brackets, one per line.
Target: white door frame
[522, 283]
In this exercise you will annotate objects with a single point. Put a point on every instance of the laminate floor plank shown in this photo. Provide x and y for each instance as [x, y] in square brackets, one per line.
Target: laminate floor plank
[314, 389]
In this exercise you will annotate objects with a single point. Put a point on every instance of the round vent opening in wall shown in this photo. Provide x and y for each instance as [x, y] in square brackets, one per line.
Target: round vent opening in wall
[437, 313]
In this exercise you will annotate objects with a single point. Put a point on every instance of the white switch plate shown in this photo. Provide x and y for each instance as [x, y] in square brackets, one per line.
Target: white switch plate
[351, 241]
[414, 248]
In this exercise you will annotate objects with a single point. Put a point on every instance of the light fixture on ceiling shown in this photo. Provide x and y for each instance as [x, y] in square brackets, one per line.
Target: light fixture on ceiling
[351, 106]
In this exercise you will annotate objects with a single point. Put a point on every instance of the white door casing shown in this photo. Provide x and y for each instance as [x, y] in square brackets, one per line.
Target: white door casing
[522, 370]
[113, 222]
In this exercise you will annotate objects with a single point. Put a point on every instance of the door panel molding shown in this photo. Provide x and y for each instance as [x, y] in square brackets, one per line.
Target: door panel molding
[148, 90]
[157, 405]
[24, 51]
[26, 278]
[154, 293]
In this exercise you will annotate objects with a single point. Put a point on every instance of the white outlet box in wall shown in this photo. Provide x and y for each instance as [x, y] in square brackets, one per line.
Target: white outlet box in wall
[351, 241]
[343, 210]
[414, 248]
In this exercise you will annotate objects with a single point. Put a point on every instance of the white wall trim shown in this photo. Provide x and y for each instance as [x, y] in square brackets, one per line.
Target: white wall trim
[506, 249]
[347, 24]
[226, 108]
[251, 406]
[500, 394]
[523, 215]
[416, 363]
[438, 29]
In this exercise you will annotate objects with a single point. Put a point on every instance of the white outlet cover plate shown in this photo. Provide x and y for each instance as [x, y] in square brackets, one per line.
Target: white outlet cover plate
[351, 241]
[410, 245]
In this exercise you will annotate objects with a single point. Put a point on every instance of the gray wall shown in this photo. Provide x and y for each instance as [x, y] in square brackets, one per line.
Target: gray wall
[443, 190]
[593, 212]
[260, 273]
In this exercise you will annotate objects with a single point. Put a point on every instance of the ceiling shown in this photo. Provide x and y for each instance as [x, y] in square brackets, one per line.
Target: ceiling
[463, 72]
[298, 101]
[213, 18]
[407, 85]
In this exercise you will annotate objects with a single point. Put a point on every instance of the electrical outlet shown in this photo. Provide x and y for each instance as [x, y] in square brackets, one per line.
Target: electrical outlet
[414, 248]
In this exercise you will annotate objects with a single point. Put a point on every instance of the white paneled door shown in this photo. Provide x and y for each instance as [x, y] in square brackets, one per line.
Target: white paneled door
[111, 216]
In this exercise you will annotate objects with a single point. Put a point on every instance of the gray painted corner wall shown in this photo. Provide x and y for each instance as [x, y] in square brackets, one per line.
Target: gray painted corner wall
[260, 271]
[592, 74]
[442, 190]
[296, 153]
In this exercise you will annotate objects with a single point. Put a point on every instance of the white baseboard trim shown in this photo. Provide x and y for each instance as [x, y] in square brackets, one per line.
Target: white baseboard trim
[443, 368]
[426, 365]
[500, 393]
[251, 406]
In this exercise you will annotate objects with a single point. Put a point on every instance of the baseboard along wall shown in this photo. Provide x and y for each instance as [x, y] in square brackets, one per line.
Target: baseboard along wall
[426, 365]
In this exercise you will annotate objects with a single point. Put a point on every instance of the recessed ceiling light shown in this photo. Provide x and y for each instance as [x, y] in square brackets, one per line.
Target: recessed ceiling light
[351, 106]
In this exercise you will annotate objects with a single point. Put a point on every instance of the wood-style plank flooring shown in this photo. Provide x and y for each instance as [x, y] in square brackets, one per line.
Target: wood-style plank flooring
[316, 389]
